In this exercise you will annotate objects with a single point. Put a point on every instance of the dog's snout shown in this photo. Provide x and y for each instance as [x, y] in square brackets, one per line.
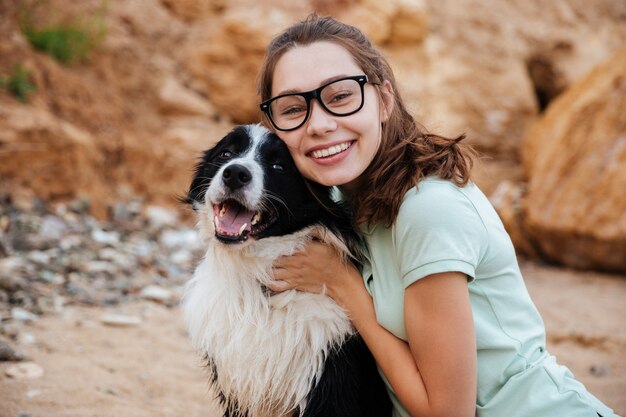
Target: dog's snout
[236, 176]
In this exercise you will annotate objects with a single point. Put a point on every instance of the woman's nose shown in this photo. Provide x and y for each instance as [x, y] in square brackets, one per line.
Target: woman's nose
[320, 121]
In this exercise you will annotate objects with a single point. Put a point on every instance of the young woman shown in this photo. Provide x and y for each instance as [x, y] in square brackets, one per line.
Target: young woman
[442, 305]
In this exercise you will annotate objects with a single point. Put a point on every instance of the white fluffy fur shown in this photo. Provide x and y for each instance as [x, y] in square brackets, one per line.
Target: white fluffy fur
[268, 351]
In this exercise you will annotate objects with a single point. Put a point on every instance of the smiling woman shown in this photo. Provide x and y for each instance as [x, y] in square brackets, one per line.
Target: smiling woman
[441, 303]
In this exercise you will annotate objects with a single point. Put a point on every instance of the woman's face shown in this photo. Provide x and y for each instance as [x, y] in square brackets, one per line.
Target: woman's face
[328, 149]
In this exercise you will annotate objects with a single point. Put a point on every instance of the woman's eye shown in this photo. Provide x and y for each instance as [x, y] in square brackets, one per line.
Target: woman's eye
[293, 111]
[340, 97]
[225, 154]
[278, 167]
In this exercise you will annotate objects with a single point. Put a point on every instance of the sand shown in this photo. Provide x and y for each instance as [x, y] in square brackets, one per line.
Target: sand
[96, 370]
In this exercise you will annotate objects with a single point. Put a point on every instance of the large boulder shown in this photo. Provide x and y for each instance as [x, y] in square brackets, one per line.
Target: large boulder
[226, 57]
[575, 160]
[49, 157]
[488, 68]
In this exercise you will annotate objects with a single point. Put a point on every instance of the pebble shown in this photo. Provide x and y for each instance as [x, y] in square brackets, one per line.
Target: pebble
[178, 238]
[31, 393]
[156, 293]
[54, 256]
[24, 370]
[20, 314]
[52, 227]
[11, 283]
[159, 217]
[120, 320]
[107, 238]
[26, 338]
[598, 370]
[8, 354]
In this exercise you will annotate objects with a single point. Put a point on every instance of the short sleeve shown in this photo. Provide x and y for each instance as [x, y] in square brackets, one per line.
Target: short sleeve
[437, 230]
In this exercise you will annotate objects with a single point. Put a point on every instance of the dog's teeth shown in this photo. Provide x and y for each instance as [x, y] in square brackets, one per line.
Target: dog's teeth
[256, 218]
[223, 210]
[216, 222]
[243, 227]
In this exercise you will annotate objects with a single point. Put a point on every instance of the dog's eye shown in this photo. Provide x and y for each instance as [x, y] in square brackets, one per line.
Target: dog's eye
[225, 154]
[278, 167]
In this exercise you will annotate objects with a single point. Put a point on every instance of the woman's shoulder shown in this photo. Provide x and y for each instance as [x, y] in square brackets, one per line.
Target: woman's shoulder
[436, 194]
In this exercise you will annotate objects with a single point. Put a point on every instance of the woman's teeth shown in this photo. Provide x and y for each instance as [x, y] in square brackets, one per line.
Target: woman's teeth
[323, 153]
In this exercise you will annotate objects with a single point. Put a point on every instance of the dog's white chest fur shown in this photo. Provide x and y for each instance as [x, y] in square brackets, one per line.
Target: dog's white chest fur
[267, 351]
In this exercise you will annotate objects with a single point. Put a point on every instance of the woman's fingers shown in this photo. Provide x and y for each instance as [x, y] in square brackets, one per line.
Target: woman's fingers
[278, 285]
[305, 271]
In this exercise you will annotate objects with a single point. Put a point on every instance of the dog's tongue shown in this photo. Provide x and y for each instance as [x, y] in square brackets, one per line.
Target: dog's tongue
[232, 219]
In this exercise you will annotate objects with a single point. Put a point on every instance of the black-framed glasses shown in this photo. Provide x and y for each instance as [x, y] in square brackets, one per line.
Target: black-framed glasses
[341, 97]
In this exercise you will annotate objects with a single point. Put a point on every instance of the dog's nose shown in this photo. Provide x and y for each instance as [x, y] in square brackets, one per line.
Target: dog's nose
[236, 176]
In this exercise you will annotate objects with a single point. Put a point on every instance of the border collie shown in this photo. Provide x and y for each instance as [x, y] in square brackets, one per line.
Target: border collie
[272, 354]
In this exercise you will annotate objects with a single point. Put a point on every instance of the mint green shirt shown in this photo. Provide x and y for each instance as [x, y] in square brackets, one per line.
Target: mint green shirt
[440, 228]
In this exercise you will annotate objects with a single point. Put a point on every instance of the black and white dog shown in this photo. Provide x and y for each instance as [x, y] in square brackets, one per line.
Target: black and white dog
[272, 355]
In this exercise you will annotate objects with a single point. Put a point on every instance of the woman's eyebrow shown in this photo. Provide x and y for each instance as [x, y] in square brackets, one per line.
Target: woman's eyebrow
[324, 81]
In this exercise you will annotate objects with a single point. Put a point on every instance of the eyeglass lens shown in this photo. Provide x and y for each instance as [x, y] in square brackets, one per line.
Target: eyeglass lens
[341, 97]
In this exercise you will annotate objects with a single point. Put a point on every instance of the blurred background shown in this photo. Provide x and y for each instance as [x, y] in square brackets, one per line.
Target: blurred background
[105, 107]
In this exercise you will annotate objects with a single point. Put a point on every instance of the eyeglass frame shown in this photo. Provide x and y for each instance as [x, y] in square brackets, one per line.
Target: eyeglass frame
[315, 94]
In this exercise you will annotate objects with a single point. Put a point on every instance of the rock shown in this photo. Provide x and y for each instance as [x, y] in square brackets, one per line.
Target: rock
[191, 10]
[372, 21]
[63, 154]
[120, 320]
[598, 370]
[182, 257]
[226, 57]
[409, 22]
[453, 89]
[39, 257]
[121, 260]
[99, 267]
[331, 7]
[395, 22]
[507, 200]
[472, 72]
[175, 99]
[180, 238]
[8, 354]
[160, 217]
[52, 228]
[156, 293]
[106, 238]
[25, 338]
[19, 314]
[31, 393]
[575, 159]
[25, 370]
[11, 283]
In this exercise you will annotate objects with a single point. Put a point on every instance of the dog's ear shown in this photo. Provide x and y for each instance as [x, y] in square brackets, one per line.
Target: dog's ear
[201, 179]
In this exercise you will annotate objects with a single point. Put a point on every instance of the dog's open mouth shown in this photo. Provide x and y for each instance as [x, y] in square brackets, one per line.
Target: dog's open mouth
[234, 223]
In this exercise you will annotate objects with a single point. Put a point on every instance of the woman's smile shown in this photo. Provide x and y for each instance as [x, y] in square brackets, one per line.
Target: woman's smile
[327, 152]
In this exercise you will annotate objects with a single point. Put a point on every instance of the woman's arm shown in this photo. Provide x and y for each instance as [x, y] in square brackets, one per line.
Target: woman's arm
[440, 329]
[438, 321]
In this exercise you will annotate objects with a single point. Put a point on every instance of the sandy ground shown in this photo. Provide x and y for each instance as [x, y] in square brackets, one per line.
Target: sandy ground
[91, 369]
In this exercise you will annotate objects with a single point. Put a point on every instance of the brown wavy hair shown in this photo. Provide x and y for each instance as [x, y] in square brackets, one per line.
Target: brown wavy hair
[407, 152]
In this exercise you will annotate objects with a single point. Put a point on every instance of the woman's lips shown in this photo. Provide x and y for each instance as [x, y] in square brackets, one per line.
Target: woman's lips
[330, 151]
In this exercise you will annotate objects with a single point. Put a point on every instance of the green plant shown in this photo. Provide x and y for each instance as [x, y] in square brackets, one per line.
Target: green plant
[19, 83]
[68, 42]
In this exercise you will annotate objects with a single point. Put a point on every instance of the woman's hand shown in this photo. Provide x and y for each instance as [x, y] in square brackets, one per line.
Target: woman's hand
[317, 269]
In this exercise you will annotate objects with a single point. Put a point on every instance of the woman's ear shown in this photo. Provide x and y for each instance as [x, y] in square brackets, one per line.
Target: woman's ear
[388, 99]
